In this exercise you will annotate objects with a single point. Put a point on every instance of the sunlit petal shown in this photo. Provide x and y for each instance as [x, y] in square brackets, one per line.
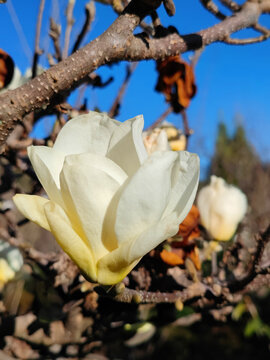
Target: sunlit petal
[145, 196]
[86, 133]
[88, 183]
[185, 178]
[126, 146]
[47, 164]
[32, 207]
[113, 267]
[69, 240]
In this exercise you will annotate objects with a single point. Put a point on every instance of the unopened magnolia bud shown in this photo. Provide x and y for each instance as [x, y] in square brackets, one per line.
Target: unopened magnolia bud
[222, 207]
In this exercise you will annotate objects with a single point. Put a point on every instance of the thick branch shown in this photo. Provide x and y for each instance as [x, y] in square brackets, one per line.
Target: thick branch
[117, 43]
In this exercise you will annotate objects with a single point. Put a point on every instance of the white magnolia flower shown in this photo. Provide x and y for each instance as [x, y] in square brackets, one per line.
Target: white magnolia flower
[155, 140]
[222, 207]
[109, 202]
[177, 140]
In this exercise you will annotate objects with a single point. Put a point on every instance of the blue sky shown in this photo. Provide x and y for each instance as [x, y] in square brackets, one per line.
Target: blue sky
[233, 81]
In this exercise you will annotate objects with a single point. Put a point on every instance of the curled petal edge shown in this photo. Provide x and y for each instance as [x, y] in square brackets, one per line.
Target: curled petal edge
[32, 207]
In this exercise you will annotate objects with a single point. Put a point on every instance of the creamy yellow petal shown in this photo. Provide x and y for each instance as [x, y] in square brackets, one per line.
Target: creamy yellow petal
[32, 207]
[88, 184]
[145, 196]
[47, 164]
[69, 240]
[126, 146]
[113, 267]
[185, 179]
[112, 270]
[86, 133]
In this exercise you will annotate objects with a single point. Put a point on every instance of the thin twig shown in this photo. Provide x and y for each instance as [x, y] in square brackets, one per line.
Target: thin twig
[114, 110]
[90, 11]
[155, 19]
[231, 41]
[38, 51]
[70, 22]
[169, 7]
[195, 57]
[213, 9]
[195, 291]
[161, 118]
[55, 32]
[232, 5]
[187, 129]
[261, 29]
[255, 268]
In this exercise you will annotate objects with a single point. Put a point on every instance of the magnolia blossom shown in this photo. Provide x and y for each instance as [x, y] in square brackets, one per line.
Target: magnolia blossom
[155, 140]
[165, 137]
[222, 207]
[177, 140]
[109, 203]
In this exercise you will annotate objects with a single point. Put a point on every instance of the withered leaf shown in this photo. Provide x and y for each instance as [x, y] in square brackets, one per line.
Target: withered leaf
[176, 81]
[6, 69]
[188, 229]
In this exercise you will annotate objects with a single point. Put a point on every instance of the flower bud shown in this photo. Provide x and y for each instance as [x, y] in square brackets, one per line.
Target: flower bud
[222, 207]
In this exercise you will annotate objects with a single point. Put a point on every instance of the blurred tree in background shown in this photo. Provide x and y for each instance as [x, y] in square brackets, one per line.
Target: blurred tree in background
[236, 161]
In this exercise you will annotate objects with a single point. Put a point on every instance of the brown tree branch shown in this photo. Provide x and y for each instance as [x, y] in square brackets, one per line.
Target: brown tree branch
[124, 294]
[257, 27]
[255, 267]
[233, 41]
[213, 9]
[55, 32]
[232, 5]
[117, 43]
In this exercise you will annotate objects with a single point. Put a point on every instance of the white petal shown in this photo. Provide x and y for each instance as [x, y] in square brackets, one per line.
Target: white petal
[185, 178]
[222, 207]
[113, 267]
[32, 207]
[47, 164]
[86, 133]
[145, 196]
[69, 240]
[126, 146]
[88, 184]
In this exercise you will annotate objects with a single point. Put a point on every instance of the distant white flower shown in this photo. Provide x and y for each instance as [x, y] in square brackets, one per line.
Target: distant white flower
[164, 137]
[222, 207]
[177, 140]
[11, 261]
[109, 202]
[155, 140]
